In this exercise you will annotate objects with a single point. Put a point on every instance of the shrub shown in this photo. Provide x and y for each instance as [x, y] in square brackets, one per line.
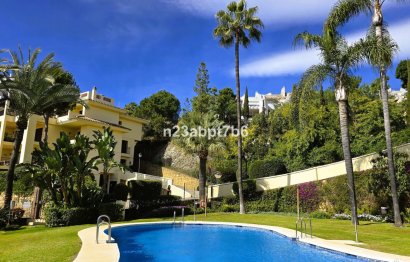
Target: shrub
[308, 196]
[144, 189]
[287, 201]
[248, 189]
[320, 215]
[265, 168]
[113, 210]
[228, 168]
[57, 216]
[121, 192]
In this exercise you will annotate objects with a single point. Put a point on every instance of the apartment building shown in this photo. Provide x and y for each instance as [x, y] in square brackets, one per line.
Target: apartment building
[101, 112]
[263, 103]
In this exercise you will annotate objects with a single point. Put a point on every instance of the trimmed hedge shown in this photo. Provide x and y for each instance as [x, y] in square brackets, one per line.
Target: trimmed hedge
[58, 216]
[144, 189]
[227, 168]
[267, 167]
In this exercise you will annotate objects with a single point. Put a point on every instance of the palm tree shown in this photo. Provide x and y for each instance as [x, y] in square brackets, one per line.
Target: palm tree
[201, 145]
[338, 58]
[380, 58]
[25, 93]
[238, 26]
[65, 96]
[104, 142]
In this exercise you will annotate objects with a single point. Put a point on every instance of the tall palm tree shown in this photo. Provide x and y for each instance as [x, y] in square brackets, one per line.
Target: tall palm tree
[381, 58]
[25, 88]
[238, 26]
[338, 59]
[201, 145]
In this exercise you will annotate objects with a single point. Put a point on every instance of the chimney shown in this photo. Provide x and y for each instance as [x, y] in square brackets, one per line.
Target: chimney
[93, 93]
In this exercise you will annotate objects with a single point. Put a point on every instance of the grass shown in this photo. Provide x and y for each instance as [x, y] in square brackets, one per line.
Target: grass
[62, 244]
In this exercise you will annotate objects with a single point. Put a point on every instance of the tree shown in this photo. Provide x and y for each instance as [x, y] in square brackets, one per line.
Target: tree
[65, 95]
[380, 56]
[338, 58]
[401, 73]
[201, 145]
[104, 142]
[162, 109]
[26, 94]
[408, 94]
[63, 170]
[238, 26]
[246, 106]
[205, 97]
[225, 106]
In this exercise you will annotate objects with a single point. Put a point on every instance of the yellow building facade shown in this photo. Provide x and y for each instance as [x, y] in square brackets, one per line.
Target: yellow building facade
[100, 112]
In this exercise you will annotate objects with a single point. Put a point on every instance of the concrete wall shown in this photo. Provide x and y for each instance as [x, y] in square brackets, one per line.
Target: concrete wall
[361, 163]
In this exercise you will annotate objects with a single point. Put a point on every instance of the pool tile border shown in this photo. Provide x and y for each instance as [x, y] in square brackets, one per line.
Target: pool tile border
[91, 251]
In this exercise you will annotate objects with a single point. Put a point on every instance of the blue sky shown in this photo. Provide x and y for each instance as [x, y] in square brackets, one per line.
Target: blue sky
[131, 49]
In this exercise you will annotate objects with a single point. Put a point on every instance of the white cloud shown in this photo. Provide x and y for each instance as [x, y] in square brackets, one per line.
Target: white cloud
[270, 11]
[297, 61]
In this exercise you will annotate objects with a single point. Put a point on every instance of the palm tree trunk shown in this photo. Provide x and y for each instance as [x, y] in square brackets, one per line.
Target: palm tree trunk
[45, 132]
[378, 23]
[238, 115]
[37, 190]
[21, 126]
[344, 129]
[202, 179]
[390, 159]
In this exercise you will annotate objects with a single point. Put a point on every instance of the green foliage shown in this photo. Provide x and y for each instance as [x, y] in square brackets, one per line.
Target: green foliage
[161, 109]
[248, 189]
[228, 169]
[224, 106]
[57, 216]
[121, 192]
[402, 73]
[112, 210]
[144, 189]
[265, 168]
[320, 215]
[4, 215]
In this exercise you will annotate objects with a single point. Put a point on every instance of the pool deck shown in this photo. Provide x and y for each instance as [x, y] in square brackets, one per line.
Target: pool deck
[91, 251]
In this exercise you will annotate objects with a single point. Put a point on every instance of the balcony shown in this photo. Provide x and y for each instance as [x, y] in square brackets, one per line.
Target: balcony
[9, 137]
[125, 151]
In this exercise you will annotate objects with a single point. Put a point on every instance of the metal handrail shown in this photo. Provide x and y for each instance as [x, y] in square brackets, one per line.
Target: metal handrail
[183, 215]
[101, 221]
[302, 222]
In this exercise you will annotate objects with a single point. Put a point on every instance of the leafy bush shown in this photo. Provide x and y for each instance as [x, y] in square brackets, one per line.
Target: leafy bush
[113, 210]
[121, 192]
[309, 196]
[57, 216]
[248, 189]
[320, 215]
[144, 189]
[361, 217]
[228, 168]
[265, 168]
[287, 201]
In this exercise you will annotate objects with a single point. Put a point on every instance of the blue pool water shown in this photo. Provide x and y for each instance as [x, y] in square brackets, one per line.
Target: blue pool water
[167, 242]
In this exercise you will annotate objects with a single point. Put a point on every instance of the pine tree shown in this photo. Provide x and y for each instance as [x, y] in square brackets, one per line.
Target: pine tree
[246, 106]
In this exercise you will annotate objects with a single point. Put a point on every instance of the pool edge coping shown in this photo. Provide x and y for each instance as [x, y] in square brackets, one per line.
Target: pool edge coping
[91, 251]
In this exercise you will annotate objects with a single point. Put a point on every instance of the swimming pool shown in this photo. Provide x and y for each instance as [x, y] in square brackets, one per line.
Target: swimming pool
[198, 242]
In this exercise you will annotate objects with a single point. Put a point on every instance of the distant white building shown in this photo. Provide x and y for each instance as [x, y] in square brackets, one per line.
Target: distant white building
[263, 103]
[399, 95]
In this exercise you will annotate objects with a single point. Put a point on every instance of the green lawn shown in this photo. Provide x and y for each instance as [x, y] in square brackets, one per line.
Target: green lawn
[62, 244]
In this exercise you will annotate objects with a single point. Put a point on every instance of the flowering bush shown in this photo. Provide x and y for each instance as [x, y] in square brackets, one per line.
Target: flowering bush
[362, 217]
[308, 194]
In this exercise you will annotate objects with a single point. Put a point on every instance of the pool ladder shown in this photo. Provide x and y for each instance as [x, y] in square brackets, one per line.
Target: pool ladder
[101, 221]
[302, 223]
[182, 215]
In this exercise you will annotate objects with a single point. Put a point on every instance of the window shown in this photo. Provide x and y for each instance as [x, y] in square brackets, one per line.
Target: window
[38, 134]
[124, 147]
[123, 162]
